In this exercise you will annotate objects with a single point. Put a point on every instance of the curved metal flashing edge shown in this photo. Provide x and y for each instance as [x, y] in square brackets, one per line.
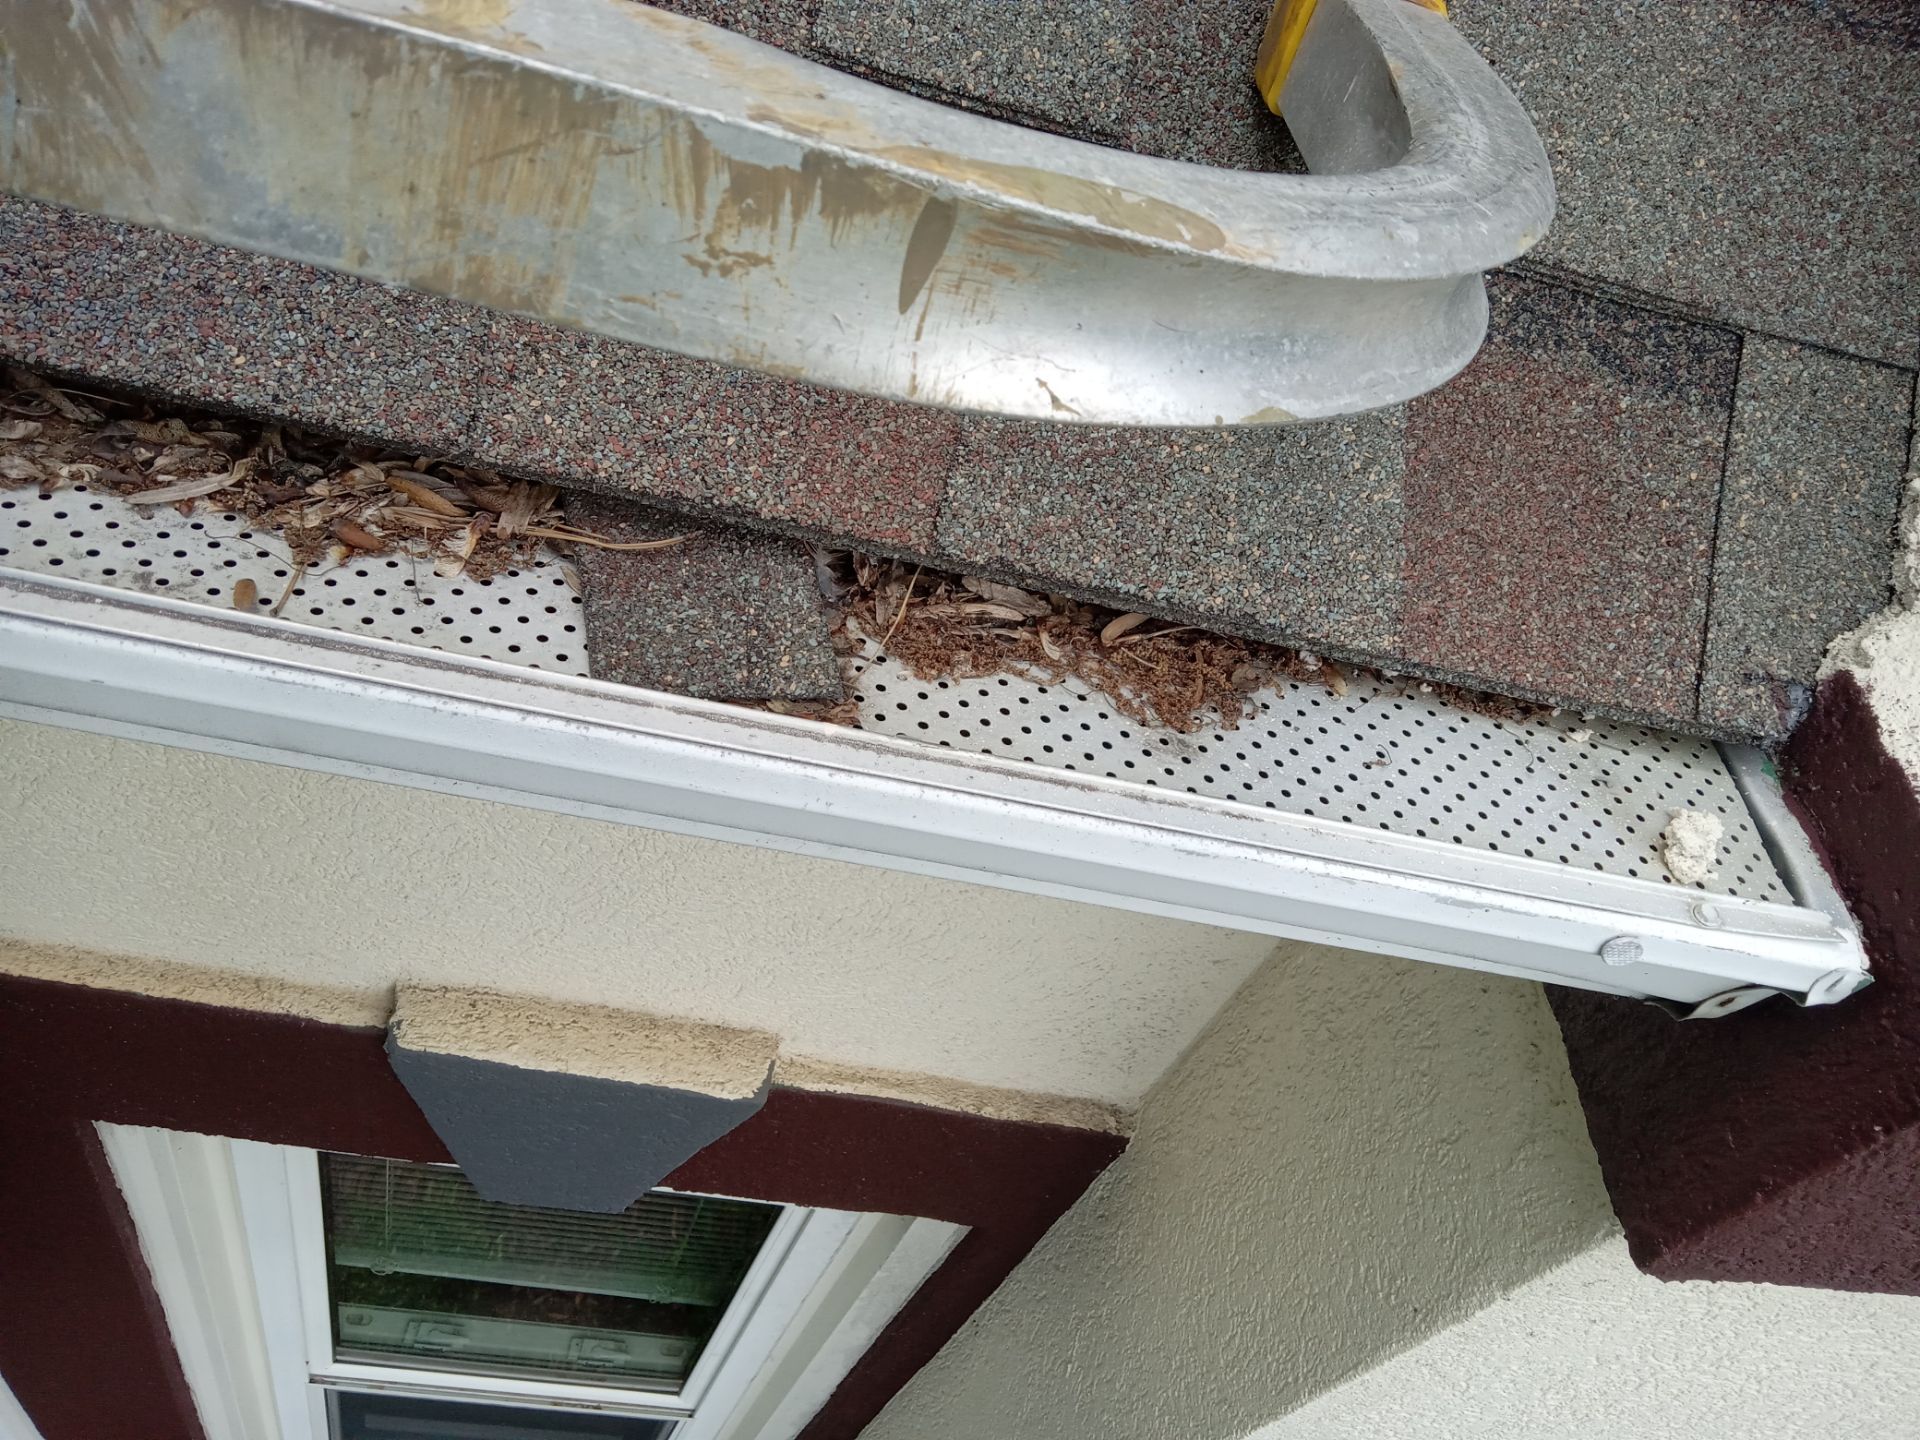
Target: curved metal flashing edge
[650, 178]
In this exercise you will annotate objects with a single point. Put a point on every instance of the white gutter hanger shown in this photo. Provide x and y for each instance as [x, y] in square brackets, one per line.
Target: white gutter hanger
[180, 674]
[650, 178]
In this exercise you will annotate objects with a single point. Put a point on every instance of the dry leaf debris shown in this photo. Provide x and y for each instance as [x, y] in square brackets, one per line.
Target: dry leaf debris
[947, 627]
[1156, 672]
[328, 498]
[332, 499]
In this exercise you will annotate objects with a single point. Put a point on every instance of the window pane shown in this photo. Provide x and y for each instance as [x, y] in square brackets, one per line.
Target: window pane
[410, 1417]
[422, 1270]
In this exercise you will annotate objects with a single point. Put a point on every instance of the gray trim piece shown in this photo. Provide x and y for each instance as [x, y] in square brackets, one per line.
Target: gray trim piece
[566, 1142]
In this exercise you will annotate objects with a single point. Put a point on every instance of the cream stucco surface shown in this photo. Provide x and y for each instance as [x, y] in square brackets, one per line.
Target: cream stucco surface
[1596, 1349]
[598, 1040]
[346, 887]
[1364, 1208]
[1884, 653]
[1357, 1155]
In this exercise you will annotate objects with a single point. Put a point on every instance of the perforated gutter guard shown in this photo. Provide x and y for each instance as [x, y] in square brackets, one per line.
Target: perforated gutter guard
[603, 164]
[147, 667]
[647, 177]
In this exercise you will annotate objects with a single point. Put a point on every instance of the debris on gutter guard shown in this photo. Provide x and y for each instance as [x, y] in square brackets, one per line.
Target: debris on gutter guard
[1385, 755]
[958, 661]
[728, 614]
[1690, 845]
[1180, 677]
[329, 498]
[334, 501]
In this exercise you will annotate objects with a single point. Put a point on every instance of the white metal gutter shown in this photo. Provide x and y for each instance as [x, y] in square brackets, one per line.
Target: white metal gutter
[180, 674]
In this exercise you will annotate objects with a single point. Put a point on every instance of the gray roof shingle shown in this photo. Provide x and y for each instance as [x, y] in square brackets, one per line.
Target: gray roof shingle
[1566, 520]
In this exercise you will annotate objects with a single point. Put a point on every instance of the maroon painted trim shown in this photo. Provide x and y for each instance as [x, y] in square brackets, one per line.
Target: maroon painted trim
[1782, 1144]
[70, 1055]
[78, 1313]
[1861, 809]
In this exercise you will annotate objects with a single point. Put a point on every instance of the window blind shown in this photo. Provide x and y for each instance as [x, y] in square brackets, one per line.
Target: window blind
[394, 1216]
[407, 1417]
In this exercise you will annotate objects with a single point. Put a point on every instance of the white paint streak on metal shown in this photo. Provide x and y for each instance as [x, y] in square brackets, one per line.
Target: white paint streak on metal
[600, 163]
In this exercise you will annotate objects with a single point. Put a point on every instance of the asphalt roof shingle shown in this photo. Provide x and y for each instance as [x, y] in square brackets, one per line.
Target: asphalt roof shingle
[1813, 486]
[1063, 61]
[582, 410]
[177, 316]
[725, 614]
[1289, 535]
[1756, 163]
[1553, 522]
[1561, 500]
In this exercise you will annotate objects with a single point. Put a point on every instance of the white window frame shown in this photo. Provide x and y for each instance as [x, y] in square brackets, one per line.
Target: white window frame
[231, 1231]
[14, 1424]
[280, 1197]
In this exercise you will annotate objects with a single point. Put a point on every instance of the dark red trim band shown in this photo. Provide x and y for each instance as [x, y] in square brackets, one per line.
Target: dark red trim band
[77, 1311]
[82, 1340]
[1781, 1144]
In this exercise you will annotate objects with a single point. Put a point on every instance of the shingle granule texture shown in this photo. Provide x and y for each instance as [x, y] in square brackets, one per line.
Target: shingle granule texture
[1191, 94]
[1065, 61]
[627, 420]
[1756, 162]
[1561, 497]
[1807, 515]
[726, 615]
[1164, 77]
[1280, 533]
[177, 316]
[782, 23]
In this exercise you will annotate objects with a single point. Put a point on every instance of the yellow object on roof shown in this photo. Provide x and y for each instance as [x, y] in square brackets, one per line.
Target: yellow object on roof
[1286, 23]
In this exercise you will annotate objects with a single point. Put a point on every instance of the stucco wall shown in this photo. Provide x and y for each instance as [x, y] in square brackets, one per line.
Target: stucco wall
[1884, 654]
[1358, 1154]
[1364, 1208]
[1596, 1349]
[349, 885]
